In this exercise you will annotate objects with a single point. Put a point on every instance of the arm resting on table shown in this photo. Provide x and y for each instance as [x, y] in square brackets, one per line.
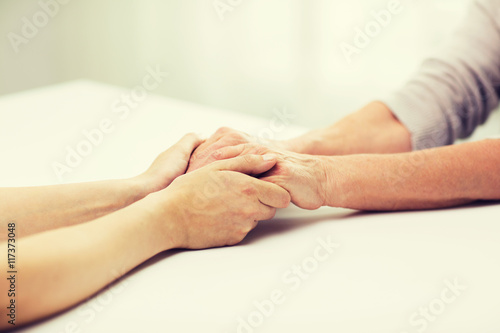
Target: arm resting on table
[37, 209]
[431, 178]
[59, 268]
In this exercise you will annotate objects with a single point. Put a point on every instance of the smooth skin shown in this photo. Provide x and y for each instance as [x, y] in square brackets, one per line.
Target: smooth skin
[91, 255]
[365, 162]
[37, 209]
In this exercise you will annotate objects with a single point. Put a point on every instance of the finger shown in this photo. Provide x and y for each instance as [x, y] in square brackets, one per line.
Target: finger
[203, 155]
[247, 164]
[188, 143]
[265, 213]
[271, 194]
[225, 153]
[223, 137]
[216, 152]
[212, 144]
[225, 131]
[212, 153]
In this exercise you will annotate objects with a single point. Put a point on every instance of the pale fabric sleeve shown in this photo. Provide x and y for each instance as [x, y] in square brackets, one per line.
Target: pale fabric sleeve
[454, 91]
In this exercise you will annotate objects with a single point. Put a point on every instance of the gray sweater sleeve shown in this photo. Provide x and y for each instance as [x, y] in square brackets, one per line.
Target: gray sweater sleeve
[454, 91]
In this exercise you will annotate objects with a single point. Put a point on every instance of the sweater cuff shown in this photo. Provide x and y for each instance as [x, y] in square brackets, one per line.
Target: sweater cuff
[422, 117]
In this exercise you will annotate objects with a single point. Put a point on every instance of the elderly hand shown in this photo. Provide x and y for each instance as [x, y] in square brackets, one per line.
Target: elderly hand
[225, 137]
[219, 204]
[303, 176]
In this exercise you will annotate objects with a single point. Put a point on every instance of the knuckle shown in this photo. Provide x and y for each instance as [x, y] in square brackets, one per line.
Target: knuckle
[250, 147]
[217, 155]
[249, 190]
[317, 163]
[282, 171]
[223, 130]
[203, 154]
[246, 146]
[234, 136]
[249, 159]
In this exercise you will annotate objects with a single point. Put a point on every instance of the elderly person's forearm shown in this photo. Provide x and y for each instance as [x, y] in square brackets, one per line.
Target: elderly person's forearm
[434, 178]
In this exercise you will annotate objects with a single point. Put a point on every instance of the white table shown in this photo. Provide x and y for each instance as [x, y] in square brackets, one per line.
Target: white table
[384, 269]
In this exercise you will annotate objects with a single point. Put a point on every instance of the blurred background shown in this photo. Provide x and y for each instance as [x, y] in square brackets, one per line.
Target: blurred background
[248, 56]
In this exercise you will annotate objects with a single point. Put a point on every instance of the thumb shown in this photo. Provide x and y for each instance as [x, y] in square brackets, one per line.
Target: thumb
[186, 145]
[248, 164]
[189, 142]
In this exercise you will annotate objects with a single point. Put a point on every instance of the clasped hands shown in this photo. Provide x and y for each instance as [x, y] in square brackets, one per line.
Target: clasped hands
[218, 189]
[302, 176]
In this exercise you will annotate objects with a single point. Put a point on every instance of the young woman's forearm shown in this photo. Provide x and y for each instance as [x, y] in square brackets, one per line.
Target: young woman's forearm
[37, 209]
[371, 130]
[58, 268]
[433, 178]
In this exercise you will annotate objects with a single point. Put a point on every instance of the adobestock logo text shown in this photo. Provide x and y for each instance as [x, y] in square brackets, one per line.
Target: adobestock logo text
[31, 27]
[363, 37]
[122, 108]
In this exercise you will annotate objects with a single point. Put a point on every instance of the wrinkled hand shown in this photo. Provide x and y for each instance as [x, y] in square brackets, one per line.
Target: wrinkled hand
[224, 137]
[303, 176]
[170, 164]
[219, 204]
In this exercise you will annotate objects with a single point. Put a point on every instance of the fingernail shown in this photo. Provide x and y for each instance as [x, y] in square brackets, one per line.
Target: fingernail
[268, 157]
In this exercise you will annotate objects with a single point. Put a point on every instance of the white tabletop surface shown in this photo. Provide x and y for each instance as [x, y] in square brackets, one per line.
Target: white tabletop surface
[387, 272]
